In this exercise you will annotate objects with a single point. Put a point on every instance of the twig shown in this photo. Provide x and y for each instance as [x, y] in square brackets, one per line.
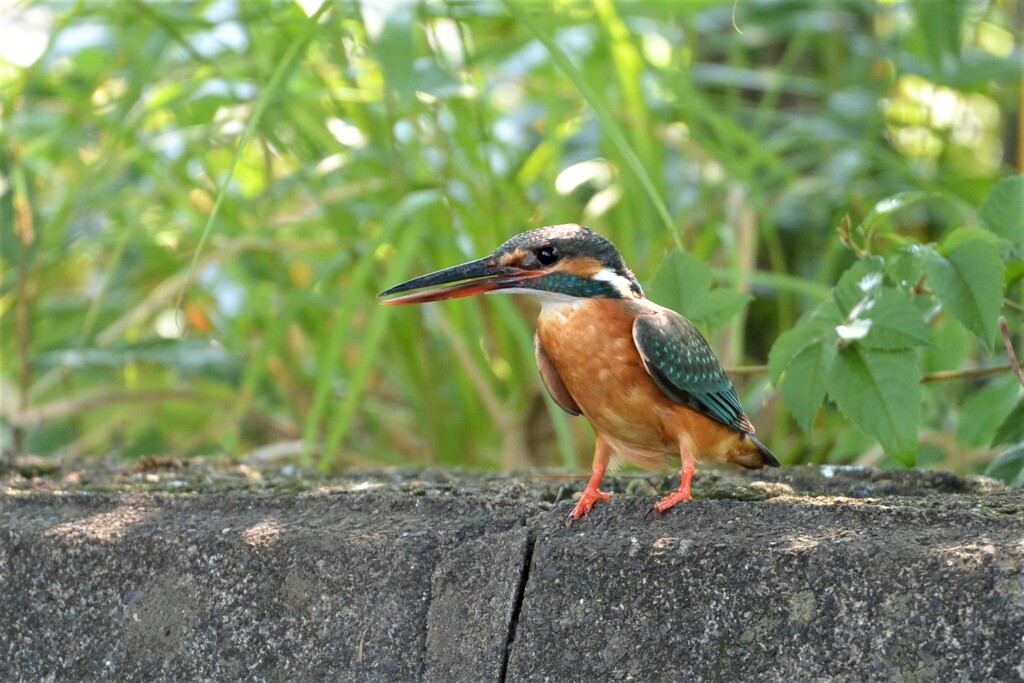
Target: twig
[940, 376]
[969, 373]
[67, 407]
[1010, 353]
[746, 370]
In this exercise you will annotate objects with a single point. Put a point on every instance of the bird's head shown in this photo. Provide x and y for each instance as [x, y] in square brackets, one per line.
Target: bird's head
[556, 262]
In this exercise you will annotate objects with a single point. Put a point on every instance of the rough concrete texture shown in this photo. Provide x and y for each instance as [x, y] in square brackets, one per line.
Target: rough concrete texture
[792, 575]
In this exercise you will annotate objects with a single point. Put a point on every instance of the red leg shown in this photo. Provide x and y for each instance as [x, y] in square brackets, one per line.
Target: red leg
[591, 494]
[684, 486]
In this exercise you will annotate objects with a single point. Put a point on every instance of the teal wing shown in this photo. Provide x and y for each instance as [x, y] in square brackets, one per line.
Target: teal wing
[682, 364]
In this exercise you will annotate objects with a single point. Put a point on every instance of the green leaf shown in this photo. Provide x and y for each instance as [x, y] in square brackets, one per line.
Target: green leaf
[805, 382]
[680, 280]
[683, 283]
[862, 281]
[985, 410]
[969, 233]
[1012, 429]
[895, 323]
[940, 24]
[905, 265]
[880, 393]
[954, 344]
[1008, 467]
[879, 317]
[1002, 212]
[818, 326]
[893, 204]
[1014, 272]
[969, 283]
[395, 49]
[719, 307]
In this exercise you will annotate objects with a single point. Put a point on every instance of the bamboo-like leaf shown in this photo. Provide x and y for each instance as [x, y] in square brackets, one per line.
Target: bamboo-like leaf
[608, 123]
[1008, 466]
[277, 81]
[400, 217]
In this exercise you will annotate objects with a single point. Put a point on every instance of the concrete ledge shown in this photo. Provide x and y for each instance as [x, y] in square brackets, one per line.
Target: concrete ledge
[790, 575]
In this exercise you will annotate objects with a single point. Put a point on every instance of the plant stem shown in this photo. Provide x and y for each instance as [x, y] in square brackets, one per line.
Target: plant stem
[940, 376]
[1010, 353]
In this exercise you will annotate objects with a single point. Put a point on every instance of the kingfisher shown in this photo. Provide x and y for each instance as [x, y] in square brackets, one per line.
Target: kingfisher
[641, 374]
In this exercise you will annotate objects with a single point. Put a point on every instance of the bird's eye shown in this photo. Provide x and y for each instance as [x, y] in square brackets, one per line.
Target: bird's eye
[547, 255]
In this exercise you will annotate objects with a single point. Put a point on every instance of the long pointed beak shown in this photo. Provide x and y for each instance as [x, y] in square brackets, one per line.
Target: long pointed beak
[476, 277]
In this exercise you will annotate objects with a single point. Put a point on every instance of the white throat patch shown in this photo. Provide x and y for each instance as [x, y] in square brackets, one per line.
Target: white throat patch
[622, 285]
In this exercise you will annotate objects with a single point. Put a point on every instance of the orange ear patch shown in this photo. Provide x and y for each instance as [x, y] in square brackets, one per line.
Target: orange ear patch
[581, 267]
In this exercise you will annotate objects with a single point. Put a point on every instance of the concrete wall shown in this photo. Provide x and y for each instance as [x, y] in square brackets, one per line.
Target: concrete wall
[788, 575]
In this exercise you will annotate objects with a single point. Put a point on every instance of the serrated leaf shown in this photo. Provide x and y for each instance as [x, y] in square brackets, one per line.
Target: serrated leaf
[969, 283]
[895, 323]
[1012, 428]
[805, 381]
[890, 205]
[788, 345]
[862, 280]
[969, 233]
[819, 325]
[985, 410]
[1008, 466]
[683, 283]
[1002, 212]
[880, 393]
[905, 265]
[680, 282]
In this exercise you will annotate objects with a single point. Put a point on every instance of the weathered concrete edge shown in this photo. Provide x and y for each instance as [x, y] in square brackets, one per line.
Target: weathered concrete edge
[499, 543]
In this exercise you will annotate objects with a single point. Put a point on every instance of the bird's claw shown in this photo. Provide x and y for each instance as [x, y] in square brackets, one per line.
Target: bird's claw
[667, 502]
[586, 503]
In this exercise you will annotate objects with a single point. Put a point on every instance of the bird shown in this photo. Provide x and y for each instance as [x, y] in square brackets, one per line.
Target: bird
[641, 374]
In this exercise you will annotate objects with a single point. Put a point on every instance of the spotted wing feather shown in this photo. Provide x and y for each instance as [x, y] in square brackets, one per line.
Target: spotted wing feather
[552, 380]
[682, 364]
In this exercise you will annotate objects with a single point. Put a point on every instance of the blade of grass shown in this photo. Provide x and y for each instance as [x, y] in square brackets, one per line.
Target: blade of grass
[371, 343]
[629, 67]
[355, 295]
[277, 80]
[611, 128]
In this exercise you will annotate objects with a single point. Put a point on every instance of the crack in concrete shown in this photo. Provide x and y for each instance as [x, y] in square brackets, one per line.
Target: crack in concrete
[517, 605]
[428, 598]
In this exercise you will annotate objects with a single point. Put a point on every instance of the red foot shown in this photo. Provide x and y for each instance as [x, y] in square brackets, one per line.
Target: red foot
[670, 500]
[682, 494]
[590, 496]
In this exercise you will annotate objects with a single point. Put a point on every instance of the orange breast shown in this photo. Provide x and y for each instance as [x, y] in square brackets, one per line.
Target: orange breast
[590, 343]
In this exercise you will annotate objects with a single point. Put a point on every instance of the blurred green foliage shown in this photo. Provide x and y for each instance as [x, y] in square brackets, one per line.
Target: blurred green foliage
[200, 200]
